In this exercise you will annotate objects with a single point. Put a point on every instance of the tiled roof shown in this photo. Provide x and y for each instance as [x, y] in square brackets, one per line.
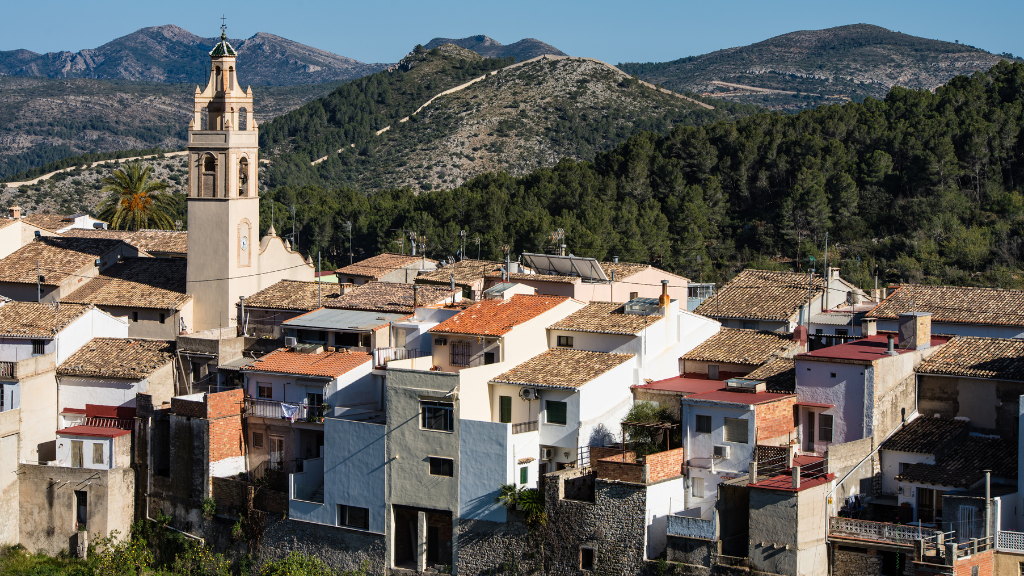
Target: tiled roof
[58, 258]
[760, 295]
[466, 272]
[34, 320]
[51, 222]
[294, 295]
[326, 364]
[137, 282]
[963, 463]
[622, 270]
[779, 375]
[171, 242]
[498, 317]
[94, 431]
[379, 265]
[955, 304]
[5, 222]
[605, 318]
[927, 435]
[538, 277]
[562, 368]
[974, 357]
[127, 358]
[736, 346]
[389, 297]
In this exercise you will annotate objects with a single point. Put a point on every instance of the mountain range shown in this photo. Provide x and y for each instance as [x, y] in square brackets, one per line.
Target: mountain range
[812, 67]
[486, 46]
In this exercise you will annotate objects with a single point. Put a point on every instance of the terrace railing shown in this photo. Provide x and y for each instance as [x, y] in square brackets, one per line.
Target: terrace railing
[900, 534]
[522, 427]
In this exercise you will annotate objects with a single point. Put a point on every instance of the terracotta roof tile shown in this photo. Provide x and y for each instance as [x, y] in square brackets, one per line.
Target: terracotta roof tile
[498, 317]
[779, 375]
[927, 435]
[962, 464]
[58, 258]
[466, 272]
[735, 346]
[760, 295]
[169, 242]
[5, 222]
[378, 266]
[51, 222]
[955, 304]
[605, 318]
[137, 282]
[622, 270]
[34, 320]
[974, 357]
[389, 297]
[562, 368]
[327, 364]
[538, 277]
[126, 358]
[294, 295]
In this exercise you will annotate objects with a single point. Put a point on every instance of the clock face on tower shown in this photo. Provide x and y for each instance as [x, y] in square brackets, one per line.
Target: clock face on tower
[244, 242]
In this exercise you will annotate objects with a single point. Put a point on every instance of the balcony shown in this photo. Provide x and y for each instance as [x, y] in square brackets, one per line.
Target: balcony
[690, 527]
[880, 532]
[524, 427]
[381, 356]
[262, 408]
[27, 367]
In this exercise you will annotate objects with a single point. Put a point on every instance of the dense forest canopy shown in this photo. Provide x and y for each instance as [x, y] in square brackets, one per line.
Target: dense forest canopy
[920, 187]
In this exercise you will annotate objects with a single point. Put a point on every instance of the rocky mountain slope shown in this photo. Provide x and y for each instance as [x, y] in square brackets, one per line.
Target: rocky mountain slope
[488, 47]
[812, 67]
[172, 54]
[513, 117]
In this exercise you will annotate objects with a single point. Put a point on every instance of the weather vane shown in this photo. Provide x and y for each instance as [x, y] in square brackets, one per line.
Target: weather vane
[223, 25]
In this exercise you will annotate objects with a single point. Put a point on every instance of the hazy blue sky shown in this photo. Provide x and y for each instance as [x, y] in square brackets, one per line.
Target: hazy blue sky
[623, 31]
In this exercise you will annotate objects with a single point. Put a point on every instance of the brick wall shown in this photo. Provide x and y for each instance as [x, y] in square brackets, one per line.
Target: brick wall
[224, 409]
[622, 467]
[220, 404]
[665, 465]
[983, 560]
[188, 408]
[230, 495]
[774, 419]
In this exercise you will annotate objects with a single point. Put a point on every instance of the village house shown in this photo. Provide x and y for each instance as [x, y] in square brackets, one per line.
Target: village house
[386, 267]
[263, 312]
[736, 352]
[397, 298]
[59, 223]
[467, 275]
[15, 232]
[156, 243]
[149, 292]
[957, 310]
[50, 268]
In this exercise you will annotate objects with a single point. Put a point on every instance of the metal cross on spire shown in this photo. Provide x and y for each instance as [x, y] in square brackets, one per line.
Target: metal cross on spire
[223, 26]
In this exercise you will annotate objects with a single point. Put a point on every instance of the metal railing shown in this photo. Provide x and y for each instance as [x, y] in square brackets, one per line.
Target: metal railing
[381, 356]
[101, 422]
[819, 341]
[262, 408]
[9, 370]
[522, 427]
[900, 534]
[690, 527]
[1007, 541]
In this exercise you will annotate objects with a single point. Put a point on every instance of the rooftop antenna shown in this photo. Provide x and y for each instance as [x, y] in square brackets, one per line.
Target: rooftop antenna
[477, 240]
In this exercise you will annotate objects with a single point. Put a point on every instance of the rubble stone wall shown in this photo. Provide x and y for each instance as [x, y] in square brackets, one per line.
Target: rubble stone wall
[341, 548]
[849, 563]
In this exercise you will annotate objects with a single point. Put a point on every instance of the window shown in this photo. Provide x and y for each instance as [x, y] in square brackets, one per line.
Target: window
[81, 509]
[903, 467]
[97, 453]
[697, 487]
[243, 119]
[832, 374]
[204, 118]
[586, 558]
[505, 409]
[257, 439]
[712, 371]
[354, 517]
[442, 467]
[556, 412]
[750, 325]
[842, 332]
[459, 354]
[633, 295]
[76, 453]
[163, 317]
[703, 424]
[488, 357]
[565, 341]
[437, 415]
[974, 570]
[135, 316]
[736, 430]
[38, 347]
[524, 475]
[264, 391]
[819, 331]
[825, 427]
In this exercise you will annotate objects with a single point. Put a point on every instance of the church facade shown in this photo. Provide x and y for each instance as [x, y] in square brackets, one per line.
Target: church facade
[224, 261]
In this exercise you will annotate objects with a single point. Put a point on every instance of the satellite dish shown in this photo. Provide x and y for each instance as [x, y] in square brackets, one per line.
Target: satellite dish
[63, 449]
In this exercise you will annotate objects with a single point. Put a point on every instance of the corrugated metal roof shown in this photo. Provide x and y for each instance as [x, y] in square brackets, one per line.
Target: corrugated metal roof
[334, 319]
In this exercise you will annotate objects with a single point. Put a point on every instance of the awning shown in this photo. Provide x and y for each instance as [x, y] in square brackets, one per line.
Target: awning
[815, 405]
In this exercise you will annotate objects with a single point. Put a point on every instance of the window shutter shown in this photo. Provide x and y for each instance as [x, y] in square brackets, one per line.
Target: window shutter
[556, 412]
[825, 427]
[524, 475]
[736, 430]
[505, 416]
[703, 424]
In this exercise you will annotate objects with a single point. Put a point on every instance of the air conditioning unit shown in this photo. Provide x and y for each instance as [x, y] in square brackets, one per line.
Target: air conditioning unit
[290, 341]
[721, 451]
[440, 341]
[547, 454]
[529, 394]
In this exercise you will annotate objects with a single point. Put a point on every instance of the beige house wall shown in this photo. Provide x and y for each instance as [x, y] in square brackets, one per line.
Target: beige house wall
[39, 417]
[148, 325]
[9, 439]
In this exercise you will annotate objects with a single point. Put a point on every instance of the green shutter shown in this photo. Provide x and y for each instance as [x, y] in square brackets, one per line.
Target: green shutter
[556, 412]
[524, 475]
[505, 412]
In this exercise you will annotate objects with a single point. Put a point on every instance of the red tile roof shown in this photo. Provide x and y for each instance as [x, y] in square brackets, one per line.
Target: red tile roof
[498, 317]
[746, 398]
[867, 349]
[784, 482]
[684, 385]
[328, 364]
[94, 431]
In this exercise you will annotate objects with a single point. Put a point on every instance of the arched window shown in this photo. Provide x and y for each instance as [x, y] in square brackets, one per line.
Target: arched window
[219, 79]
[243, 119]
[243, 177]
[204, 118]
[209, 178]
[231, 77]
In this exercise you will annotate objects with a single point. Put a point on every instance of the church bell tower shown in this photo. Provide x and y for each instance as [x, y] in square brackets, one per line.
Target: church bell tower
[223, 200]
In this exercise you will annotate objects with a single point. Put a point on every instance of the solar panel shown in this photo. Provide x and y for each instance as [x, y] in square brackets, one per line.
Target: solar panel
[588, 269]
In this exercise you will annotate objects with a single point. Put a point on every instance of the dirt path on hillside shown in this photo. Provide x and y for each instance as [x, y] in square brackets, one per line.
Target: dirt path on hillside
[93, 165]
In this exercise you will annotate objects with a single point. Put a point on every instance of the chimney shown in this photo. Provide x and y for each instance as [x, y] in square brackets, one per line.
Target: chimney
[615, 259]
[868, 327]
[892, 345]
[915, 330]
[800, 337]
[15, 212]
[796, 477]
[753, 472]
[415, 295]
[664, 299]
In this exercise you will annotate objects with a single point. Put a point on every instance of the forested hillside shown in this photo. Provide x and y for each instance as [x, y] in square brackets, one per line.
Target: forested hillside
[921, 186]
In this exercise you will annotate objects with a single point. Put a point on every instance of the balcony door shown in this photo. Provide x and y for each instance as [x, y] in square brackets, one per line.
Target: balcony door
[276, 453]
[809, 432]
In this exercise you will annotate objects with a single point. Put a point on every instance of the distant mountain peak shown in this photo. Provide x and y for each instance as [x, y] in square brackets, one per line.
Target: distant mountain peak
[489, 47]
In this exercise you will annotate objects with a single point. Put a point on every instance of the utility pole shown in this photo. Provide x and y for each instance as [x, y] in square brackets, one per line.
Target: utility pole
[349, 224]
[39, 284]
[319, 283]
[295, 241]
[810, 296]
[477, 240]
[828, 274]
[462, 245]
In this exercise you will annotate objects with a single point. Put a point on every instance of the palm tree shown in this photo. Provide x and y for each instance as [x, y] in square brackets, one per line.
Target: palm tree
[135, 201]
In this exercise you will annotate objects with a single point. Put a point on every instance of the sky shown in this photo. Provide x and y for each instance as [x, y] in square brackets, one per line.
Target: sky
[621, 31]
